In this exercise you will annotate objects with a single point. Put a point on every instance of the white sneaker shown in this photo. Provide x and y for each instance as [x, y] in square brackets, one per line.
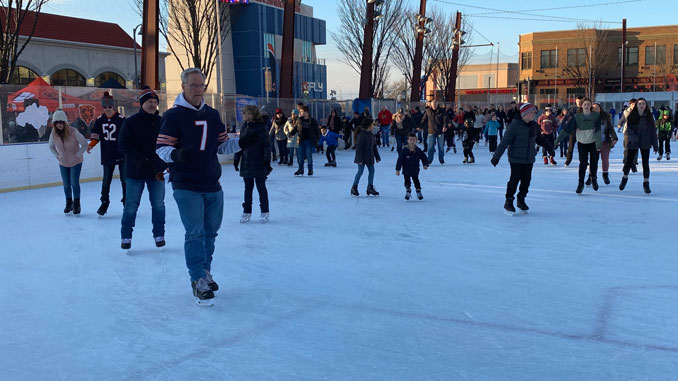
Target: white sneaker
[245, 217]
[263, 218]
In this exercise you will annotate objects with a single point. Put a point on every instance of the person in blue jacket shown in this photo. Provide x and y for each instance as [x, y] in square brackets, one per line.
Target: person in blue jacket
[408, 159]
[491, 130]
[191, 134]
[331, 138]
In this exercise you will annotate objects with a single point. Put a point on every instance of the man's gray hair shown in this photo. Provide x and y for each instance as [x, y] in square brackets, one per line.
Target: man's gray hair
[187, 72]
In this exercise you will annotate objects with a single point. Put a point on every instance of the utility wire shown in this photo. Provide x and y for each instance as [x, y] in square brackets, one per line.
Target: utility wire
[553, 9]
[542, 18]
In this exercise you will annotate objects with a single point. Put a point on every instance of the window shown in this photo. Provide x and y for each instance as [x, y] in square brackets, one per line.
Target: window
[650, 55]
[631, 55]
[306, 51]
[105, 76]
[22, 76]
[67, 77]
[548, 59]
[269, 39]
[675, 54]
[526, 61]
[488, 81]
[467, 81]
[576, 57]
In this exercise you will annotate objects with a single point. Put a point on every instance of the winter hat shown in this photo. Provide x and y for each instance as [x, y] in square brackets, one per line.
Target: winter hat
[59, 116]
[278, 111]
[147, 94]
[295, 112]
[107, 100]
[525, 108]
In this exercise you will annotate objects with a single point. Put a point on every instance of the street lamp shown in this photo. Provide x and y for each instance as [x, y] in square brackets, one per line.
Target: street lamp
[136, 72]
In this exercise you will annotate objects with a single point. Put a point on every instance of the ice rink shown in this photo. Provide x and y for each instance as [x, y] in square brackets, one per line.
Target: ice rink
[338, 288]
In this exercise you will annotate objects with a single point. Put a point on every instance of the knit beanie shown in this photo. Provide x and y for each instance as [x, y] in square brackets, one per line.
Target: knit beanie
[107, 100]
[59, 116]
[526, 108]
[147, 94]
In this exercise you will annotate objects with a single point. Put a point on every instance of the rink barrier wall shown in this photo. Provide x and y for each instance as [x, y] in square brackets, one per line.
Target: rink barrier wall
[32, 165]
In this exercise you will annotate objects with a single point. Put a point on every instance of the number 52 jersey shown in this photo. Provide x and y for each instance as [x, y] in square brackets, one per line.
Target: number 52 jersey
[106, 131]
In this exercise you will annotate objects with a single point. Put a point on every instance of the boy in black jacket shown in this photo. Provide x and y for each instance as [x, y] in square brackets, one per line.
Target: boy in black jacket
[408, 160]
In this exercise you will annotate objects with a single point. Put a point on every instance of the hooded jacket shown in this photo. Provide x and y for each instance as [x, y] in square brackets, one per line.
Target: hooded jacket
[256, 153]
[520, 139]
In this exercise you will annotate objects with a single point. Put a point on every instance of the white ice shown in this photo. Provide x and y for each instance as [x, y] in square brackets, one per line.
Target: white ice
[335, 287]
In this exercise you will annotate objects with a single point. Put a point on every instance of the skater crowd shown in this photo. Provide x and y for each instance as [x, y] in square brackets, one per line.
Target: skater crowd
[185, 141]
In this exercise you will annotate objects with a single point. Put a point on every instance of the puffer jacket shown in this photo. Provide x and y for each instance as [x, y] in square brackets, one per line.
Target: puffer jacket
[642, 134]
[291, 129]
[366, 148]
[69, 151]
[520, 139]
[256, 150]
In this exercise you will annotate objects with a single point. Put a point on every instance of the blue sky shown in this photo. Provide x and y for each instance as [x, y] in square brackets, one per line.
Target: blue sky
[493, 26]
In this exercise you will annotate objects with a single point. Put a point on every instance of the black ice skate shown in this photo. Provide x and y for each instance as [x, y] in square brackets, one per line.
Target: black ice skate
[471, 160]
[354, 191]
[419, 195]
[126, 243]
[606, 178]
[299, 172]
[594, 183]
[203, 294]
[76, 206]
[622, 185]
[69, 206]
[580, 187]
[508, 206]
[159, 241]
[408, 194]
[588, 180]
[210, 282]
[646, 187]
[371, 191]
[310, 172]
[522, 205]
[103, 208]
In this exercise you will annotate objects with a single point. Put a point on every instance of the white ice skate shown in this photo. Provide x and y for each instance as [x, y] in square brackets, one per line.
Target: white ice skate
[245, 217]
[263, 218]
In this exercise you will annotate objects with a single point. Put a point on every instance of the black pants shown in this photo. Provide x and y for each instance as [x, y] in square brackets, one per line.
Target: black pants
[331, 156]
[545, 150]
[664, 141]
[261, 189]
[633, 157]
[282, 148]
[108, 178]
[626, 152]
[410, 179]
[519, 173]
[493, 142]
[501, 132]
[468, 147]
[449, 137]
[570, 149]
[588, 157]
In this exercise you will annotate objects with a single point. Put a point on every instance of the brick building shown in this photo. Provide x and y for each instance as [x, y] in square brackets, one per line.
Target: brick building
[480, 84]
[556, 66]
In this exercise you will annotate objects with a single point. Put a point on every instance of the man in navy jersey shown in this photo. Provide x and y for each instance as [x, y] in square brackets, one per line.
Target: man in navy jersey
[191, 134]
[106, 130]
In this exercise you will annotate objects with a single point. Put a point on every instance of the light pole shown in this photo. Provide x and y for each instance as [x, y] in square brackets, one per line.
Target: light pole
[136, 70]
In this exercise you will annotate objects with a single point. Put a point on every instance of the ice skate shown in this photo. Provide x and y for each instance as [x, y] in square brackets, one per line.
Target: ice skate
[299, 172]
[622, 185]
[594, 183]
[159, 241]
[76, 206]
[103, 208]
[646, 187]
[546, 160]
[210, 282]
[471, 160]
[454, 149]
[659, 157]
[553, 161]
[334, 164]
[668, 156]
[245, 217]
[588, 180]
[354, 191]
[606, 178]
[263, 218]
[465, 160]
[328, 164]
[69, 206]
[580, 187]
[419, 195]
[522, 205]
[408, 194]
[371, 191]
[508, 206]
[310, 172]
[202, 293]
[126, 243]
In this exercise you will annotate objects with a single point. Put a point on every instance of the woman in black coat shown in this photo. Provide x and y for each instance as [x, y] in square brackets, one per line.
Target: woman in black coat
[366, 154]
[640, 133]
[255, 163]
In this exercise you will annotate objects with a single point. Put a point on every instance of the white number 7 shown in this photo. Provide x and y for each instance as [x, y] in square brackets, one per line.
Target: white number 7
[203, 140]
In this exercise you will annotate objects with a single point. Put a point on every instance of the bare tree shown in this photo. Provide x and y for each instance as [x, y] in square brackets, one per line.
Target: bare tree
[443, 67]
[403, 54]
[393, 90]
[349, 39]
[17, 17]
[190, 29]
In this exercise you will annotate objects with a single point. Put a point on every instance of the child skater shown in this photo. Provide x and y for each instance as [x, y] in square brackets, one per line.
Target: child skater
[331, 138]
[408, 160]
[255, 161]
[520, 139]
[490, 130]
[366, 154]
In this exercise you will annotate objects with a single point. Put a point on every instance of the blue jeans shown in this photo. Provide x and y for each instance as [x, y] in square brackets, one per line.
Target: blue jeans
[71, 179]
[385, 134]
[305, 151]
[201, 214]
[432, 139]
[156, 194]
[370, 176]
[401, 141]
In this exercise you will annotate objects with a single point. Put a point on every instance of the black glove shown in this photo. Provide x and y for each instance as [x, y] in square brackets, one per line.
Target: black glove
[182, 155]
[494, 161]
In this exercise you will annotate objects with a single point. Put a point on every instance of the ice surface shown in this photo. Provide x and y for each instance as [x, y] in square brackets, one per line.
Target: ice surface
[336, 287]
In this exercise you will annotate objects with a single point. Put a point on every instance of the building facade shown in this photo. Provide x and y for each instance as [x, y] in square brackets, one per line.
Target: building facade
[557, 66]
[480, 84]
[69, 51]
[252, 50]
